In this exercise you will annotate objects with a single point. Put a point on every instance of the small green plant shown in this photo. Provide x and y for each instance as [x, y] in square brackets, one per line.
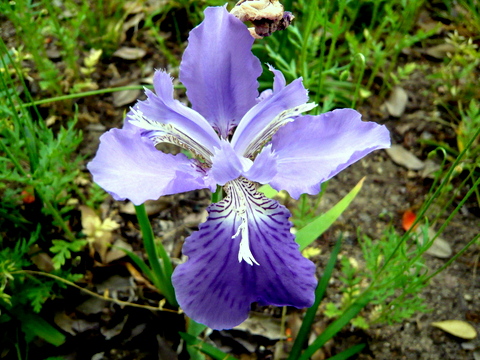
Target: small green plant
[38, 172]
[333, 48]
[394, 296]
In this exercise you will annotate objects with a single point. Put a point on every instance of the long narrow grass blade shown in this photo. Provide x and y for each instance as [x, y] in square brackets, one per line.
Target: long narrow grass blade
[336, 326]
[195, 329]
[348, 353]
[34, 324]
[139, 262]
[205, 348]
[306, 235]
[162, 282]
[304, 331]
[166, 262]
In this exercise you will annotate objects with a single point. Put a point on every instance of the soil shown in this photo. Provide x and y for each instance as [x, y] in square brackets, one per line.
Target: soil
[97, 329]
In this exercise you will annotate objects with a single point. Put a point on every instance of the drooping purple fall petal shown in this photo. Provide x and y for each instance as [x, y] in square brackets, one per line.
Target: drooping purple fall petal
[130, 167]
[221, 278]
[219, 70]
[312, 149]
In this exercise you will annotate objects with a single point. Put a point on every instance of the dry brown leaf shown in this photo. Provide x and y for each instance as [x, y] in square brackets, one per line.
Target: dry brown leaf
[115, 252]
[440, 247]
[110, 333]
[260, 324]
[98, 232]
[403, 157]
[440, 51]
[64, 322]
[125, 97]
[92, 305]
[397, 102]
[152, 207]
[139, 277]
[458, 328]
[133, 22]
[129, 53]
[42, 260]
[194, 219]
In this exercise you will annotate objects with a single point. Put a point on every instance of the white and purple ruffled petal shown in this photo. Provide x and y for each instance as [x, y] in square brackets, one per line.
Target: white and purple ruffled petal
[219, 70]
[248, 136]
[221, 278]
[128, 166]
[172, 120]
[312, 149]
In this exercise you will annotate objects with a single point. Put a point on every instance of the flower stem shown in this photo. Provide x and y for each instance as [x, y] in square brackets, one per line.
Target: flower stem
[161, 279]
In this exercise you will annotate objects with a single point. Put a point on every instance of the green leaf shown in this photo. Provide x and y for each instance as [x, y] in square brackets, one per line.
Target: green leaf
[195, 329]
[306, 235]
[360, 322]
[303, 333]
[331, 310]
[63, 250]
[268, 191]
[348, 353]
[35, 325]
[336, 326]
[139, 262]
[205, 348]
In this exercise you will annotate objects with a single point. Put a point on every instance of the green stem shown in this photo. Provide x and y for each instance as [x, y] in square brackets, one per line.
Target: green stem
[426, 206]
[302, 336]
[359, 80]
[161, 281]
[323, 49]
[88, 93]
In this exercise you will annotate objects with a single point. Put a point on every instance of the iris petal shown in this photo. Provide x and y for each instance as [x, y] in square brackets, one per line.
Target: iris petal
[312, 149]
[258, 120]
[215, 288]
[128, 166]
[171, 120]
[219, 70]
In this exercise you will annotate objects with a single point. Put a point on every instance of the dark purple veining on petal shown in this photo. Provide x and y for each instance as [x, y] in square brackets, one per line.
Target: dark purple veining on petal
[214, 288]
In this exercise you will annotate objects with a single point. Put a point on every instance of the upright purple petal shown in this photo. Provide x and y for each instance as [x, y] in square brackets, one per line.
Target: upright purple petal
[226, 164]
[221, 278]
[312, 149]
[128, 166]
[264, 167]
[219, 70]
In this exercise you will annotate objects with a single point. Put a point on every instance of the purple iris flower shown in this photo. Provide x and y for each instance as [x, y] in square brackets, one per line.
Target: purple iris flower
[244, 252]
